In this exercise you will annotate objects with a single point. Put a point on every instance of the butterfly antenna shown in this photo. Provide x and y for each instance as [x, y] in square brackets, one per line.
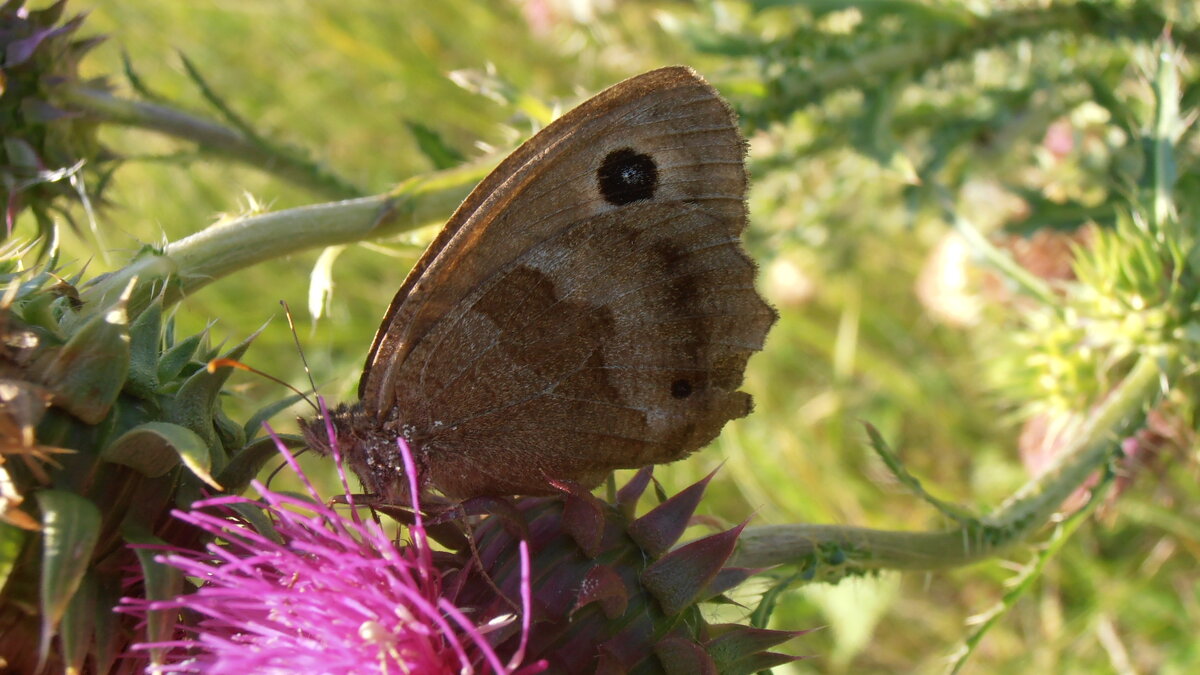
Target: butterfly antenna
[214, 364]
[287, 311]
[487, 578]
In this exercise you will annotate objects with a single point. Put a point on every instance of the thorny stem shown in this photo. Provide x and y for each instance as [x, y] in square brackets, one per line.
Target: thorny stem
[960, 35]
[833, 551]
[210, 138]
[195, 261]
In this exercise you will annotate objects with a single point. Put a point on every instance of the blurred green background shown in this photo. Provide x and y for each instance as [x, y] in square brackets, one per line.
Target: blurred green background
[884, 319]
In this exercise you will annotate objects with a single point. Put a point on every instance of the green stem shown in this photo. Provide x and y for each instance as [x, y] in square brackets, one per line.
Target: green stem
[958, 38]
[834, 551]
[195, 261]
[210, 138]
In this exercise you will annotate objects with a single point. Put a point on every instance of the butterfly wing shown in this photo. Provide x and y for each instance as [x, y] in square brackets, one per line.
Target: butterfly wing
[589, 306]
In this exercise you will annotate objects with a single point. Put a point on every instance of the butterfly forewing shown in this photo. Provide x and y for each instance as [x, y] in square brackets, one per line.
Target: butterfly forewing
[589, 307]
[551, 181]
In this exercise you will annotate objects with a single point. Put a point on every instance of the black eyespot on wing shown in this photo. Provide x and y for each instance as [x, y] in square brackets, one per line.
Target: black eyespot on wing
[681, 388]
[627, 176]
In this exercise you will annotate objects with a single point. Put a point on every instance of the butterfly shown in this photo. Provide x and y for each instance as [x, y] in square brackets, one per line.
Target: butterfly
[588, 307]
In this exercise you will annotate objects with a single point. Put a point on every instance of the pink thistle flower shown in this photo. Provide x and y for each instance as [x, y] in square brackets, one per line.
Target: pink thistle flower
[323, 593]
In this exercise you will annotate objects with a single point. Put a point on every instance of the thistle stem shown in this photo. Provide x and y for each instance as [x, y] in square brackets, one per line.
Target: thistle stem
[833, 551]
[210, 138]
[197, 260]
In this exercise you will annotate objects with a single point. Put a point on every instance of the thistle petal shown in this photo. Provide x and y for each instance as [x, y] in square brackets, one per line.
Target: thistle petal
[321, 592]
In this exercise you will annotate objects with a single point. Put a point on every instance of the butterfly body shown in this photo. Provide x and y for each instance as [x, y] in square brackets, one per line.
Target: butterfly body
[589, 307]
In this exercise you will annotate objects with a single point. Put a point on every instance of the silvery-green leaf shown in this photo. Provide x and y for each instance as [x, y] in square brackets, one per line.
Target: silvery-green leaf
[70, 527]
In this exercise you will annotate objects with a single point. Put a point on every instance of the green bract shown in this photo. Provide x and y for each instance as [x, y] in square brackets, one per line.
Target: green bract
[49, 154]
[108, 422]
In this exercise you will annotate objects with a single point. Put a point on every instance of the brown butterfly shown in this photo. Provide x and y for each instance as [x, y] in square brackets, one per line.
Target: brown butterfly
[589, 307]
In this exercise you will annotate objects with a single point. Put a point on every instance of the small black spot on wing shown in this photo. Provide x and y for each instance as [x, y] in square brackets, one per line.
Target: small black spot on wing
[627, 176]
[681, 388]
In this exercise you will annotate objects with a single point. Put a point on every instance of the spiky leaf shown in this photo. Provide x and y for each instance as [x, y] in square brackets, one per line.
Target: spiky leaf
[658, 530]
[583, 519]
[757, 663]
[631, 492]
[229, 433]
[603, 585]
[173, 360]
[87, 373]
[194, 405]
[161, 582]
[735, 643]
[248, 461]
[144, 335]
[254, 425]
[70, 527]
[678, 579]
[78, 625]
[154, 448]
[682, 656]
[47, 147]
[727, 579]
[107, 645]
[440, 153]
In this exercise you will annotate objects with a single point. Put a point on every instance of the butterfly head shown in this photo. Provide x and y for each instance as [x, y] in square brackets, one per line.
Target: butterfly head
[370, 452]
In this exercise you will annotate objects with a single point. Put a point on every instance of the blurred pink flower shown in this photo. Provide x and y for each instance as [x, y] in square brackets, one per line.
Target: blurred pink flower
[324, 593]
[1059, 138]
